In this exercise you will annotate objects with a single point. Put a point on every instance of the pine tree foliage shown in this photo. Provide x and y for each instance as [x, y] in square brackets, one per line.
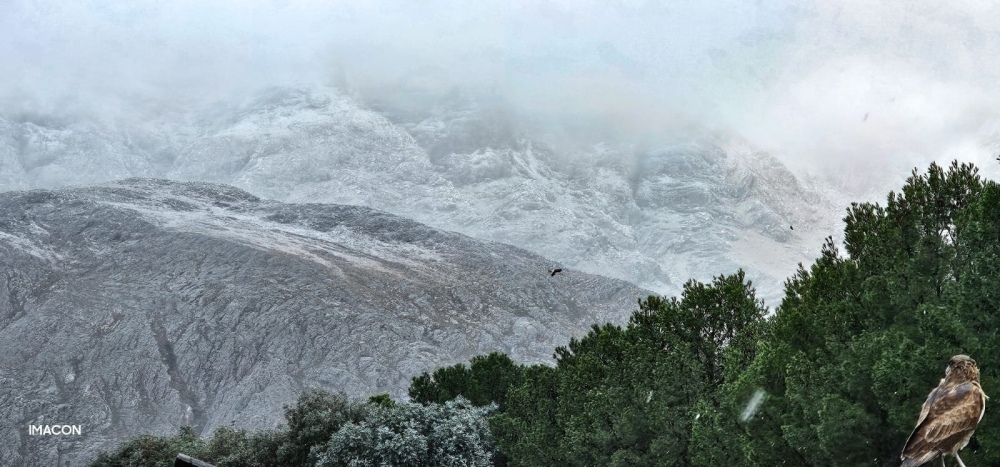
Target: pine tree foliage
[862, 337]
[632, 395]
[485, 381]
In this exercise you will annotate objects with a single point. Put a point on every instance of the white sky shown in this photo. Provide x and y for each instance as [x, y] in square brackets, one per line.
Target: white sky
[796, 78]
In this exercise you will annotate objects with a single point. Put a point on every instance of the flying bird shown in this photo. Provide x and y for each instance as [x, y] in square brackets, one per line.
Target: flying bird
[949, 416]
[554, 272]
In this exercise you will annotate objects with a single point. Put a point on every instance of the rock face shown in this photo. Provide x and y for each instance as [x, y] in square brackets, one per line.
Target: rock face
[655, 215]
[141, 305]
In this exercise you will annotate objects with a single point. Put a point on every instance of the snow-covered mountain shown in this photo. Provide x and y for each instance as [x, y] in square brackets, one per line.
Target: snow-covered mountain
[138, 306]
[135, 304]
[655, 215]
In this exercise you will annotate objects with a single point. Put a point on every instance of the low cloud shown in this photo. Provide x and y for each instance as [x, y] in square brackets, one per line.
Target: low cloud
[850, 87]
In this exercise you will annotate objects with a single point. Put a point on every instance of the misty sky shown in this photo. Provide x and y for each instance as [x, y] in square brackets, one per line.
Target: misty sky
[820, 84]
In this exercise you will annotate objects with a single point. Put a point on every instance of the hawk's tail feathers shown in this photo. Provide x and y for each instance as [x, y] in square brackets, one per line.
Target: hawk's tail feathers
[917, 461]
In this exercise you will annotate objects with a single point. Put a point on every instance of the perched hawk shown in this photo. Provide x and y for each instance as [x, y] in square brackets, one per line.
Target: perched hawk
[949, 417]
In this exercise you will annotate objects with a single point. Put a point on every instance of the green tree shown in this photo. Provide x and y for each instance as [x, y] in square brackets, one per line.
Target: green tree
[860, 339]
[485, 381]
[631, 396]
[451, 434]
[154, 451]
[330, 429]
[313, 420]
[528, 430]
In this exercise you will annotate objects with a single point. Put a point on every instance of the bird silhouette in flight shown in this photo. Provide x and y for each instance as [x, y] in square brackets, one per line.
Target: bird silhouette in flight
[554, 272]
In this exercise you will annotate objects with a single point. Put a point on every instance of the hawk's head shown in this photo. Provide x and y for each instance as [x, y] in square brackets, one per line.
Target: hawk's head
[962, 368]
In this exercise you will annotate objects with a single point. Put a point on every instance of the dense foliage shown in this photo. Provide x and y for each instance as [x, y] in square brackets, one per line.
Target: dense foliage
[860, 339]
[483, 382]
[327, 429]
[836, 376]
[631, 396]
[449, 434]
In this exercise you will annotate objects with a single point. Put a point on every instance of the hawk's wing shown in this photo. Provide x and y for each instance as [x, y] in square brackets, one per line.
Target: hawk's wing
[925, 410]
[947, 416]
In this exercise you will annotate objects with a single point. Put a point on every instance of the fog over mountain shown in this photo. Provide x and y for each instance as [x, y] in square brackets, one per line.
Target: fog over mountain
[839, 85]
[379, 183]
[552, 125]
[654, 215]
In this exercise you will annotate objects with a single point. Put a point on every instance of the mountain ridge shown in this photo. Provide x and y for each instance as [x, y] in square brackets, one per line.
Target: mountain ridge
[652, 214]
[136, 306]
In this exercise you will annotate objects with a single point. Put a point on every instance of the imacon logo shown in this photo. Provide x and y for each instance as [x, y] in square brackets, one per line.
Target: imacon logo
[49, 430]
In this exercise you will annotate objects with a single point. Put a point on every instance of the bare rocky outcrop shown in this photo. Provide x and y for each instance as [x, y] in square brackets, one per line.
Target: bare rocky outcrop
[138, 306]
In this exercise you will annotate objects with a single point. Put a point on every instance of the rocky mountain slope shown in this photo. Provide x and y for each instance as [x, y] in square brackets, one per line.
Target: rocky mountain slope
[653, 214]
[136, 306]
